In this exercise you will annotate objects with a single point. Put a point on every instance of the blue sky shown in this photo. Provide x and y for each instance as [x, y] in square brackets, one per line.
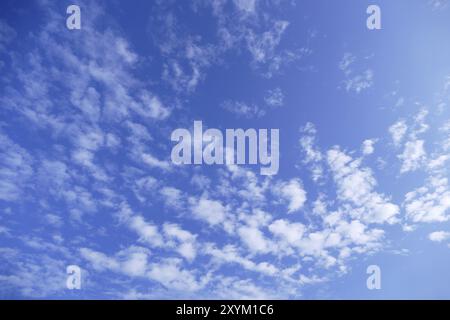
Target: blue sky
[86, 176]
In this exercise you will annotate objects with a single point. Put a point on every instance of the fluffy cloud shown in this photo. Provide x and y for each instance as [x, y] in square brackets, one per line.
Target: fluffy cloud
[171, 275]
[293, 192]
[230, 255]
[413, 155]
[292, 233]
[397, 131]
[439, 236]
[154, 162]
[98, 260]
[133, 262]
[148, 233]
[185, 242]
[313, 156]
[254, 239]
[104, 123]
[430, 203]
[173, 197]
[356, 186]
[211, 211]
[367, 147]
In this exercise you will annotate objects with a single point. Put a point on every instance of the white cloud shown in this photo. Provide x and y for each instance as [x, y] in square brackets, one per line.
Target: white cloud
[419, 125]
[360, 82]
[313, 156]
[133, 261]
[398, 131]
[254, 239]
[16, 169]
[33, 275]
[239, 289]
[186, 244]
[147, 232]
[99, 260]
[150, 160]
[356, 185]
[430, 203]
[243, 109]
[112, 141]
[367, 147]
[122, 48]
[186, 55]
[230, 254]
[211, 211]
[170, 274]
[248, 6]
[200, 181]
[274, 98]
[413, 155]
[358, 233]
[251, 24]
[122, 93]
[287, 231]
[400, 102]
[152, 107]
[262, 46]
[144, 186]
[356, 82]
[4, 231]
[439, 236]
[173, 197]
[311, 280]
[251, 188]
[256, 218]
[320, 205]
[53, 220]
[347, 60]
[439, 162]
[293, 192]
[236, 199]
[138, 132]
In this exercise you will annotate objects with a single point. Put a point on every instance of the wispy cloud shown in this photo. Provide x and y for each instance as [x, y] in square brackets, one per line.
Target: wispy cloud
[356, 81]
